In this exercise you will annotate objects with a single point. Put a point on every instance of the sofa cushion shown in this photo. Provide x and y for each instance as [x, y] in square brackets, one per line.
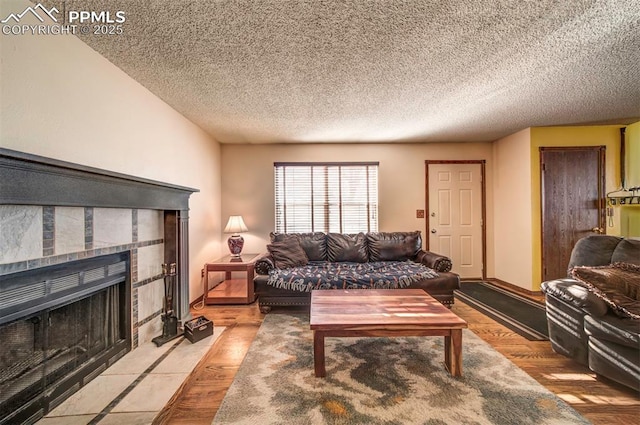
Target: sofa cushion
[350, 275]
[627, 251]
[288, 253]
[347, 247]
[314, 244]
[393, 246]
[618, 285]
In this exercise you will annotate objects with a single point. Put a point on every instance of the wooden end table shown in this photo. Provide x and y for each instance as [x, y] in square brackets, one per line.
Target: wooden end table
[231, 291]
[387, 313]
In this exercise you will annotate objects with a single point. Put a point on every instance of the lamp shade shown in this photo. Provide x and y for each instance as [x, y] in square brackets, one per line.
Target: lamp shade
[235, 225]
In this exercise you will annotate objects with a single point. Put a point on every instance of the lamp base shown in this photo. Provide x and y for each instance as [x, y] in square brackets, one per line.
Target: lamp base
[236, 243]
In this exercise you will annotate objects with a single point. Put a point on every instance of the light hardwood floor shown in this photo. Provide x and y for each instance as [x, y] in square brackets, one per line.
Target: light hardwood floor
[602, 402]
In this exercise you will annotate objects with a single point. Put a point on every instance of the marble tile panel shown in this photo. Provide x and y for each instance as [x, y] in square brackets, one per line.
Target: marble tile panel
[152, 393]
[150, 298]
[150, 259]
[20, 233]
[111, 226]
[150, 225]
[138, 360]
[148, 397]
[94, 396]
[187, 355]
[67, 420]
[150, 330]
[69, 230]
[133, 418]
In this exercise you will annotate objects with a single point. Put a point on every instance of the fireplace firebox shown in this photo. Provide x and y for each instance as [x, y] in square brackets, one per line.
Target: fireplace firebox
[60, 327]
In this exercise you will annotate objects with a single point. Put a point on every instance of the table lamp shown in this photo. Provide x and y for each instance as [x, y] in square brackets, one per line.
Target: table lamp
[235, 225]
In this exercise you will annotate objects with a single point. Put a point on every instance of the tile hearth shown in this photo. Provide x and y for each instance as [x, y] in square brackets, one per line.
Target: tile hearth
[136, 388]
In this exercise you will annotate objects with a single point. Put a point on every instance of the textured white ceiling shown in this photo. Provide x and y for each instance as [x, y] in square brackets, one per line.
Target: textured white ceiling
[277, 71]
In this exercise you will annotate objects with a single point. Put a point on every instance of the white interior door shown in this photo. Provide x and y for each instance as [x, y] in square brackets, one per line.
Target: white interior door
[455, 216]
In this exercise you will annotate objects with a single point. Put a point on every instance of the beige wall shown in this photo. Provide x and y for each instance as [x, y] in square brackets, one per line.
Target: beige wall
[512, 209]
[60, 99]
[247, 182]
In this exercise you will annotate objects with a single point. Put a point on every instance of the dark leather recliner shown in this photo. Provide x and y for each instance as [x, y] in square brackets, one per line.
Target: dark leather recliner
[583, 327]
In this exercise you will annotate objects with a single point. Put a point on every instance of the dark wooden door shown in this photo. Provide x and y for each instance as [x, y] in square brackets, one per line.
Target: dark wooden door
[572, 203]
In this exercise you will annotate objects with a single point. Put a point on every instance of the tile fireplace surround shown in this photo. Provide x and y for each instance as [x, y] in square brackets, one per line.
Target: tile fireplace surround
[54, 212]
[37, 236]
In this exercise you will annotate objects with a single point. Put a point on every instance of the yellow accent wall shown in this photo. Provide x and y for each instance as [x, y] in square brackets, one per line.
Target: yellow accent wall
[630, 215]
[608, 136]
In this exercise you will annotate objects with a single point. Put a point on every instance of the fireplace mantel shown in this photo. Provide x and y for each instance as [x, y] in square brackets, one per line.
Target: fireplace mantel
[27, 179]
[35, 180]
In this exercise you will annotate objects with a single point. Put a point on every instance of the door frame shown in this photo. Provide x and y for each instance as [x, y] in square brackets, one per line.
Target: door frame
[602, 219]
[483, 195]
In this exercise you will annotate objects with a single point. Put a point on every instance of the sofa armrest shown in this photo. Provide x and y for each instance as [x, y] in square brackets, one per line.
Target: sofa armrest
[437, 262]
[264, 264]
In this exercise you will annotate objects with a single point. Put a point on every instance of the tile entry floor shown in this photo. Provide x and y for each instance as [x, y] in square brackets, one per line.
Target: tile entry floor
[135, 388]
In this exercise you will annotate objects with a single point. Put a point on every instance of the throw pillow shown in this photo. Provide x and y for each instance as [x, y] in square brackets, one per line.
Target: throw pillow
[287, 254]
[617, 284]
[314, 243]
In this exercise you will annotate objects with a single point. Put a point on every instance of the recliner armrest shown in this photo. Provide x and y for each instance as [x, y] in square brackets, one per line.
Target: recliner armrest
[576, 294]
[437, 262]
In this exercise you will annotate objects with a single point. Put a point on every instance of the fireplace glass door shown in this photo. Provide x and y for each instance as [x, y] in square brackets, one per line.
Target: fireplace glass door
[49, 354]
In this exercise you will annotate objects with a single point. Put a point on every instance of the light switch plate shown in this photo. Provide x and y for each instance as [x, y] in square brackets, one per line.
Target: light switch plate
[419, 213]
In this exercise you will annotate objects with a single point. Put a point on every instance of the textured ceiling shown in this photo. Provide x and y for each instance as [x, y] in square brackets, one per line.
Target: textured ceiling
[265, 71]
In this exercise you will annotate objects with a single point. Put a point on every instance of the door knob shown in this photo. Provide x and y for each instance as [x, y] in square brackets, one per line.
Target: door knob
[598, 230]
[433, 230]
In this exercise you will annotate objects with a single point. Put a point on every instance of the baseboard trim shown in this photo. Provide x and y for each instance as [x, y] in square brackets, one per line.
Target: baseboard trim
[196, 301]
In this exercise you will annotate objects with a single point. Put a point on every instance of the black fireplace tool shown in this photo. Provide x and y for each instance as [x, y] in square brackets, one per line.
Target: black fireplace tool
[169, 319]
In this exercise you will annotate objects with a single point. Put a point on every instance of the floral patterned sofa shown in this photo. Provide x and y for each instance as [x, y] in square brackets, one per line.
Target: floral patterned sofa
[297, 263]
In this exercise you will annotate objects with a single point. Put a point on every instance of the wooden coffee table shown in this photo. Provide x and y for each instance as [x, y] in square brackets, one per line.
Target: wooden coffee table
[386, 313]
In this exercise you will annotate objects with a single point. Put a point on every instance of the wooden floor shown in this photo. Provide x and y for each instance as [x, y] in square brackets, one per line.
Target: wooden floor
[602, 402]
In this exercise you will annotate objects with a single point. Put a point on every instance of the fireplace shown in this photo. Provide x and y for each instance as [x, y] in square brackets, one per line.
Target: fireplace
[80, 245]
[60, 326]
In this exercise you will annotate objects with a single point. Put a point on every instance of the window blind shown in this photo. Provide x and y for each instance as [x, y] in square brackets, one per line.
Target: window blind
[326, 197]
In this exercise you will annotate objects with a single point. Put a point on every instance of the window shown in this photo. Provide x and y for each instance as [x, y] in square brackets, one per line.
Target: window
[326, 197]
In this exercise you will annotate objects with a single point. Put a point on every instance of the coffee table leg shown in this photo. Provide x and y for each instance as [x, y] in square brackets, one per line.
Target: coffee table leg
[318, 354]
[453, 352]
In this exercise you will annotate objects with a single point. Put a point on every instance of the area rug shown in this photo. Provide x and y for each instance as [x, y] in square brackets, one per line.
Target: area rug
[381, 381]
[521, 315]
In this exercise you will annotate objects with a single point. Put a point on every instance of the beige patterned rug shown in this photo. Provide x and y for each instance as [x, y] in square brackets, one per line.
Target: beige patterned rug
[381, 381]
